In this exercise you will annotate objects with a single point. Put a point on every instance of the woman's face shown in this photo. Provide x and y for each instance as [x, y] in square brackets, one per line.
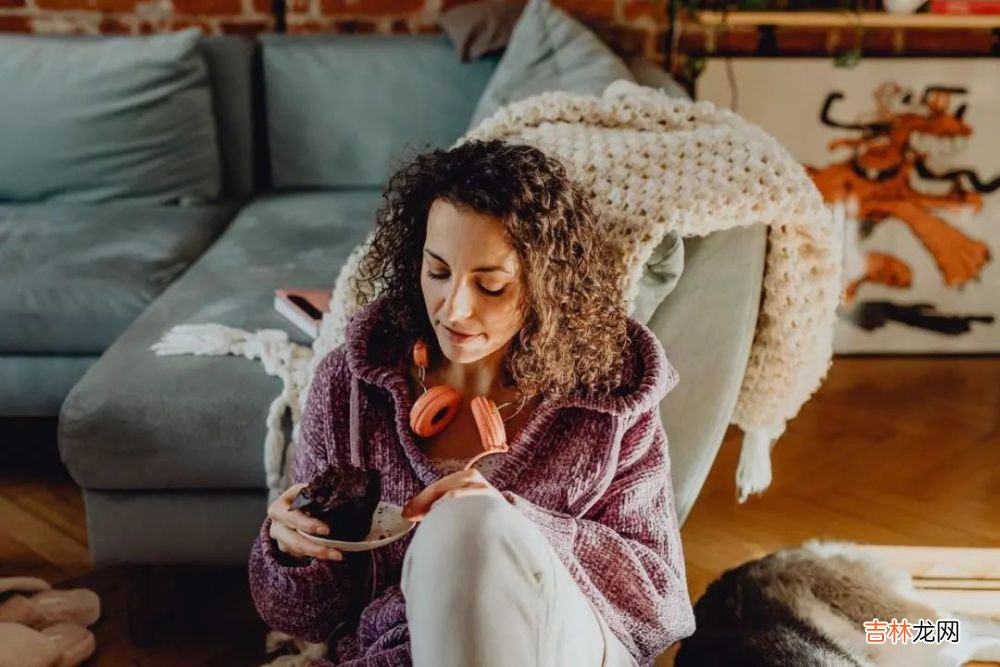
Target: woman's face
[470, 278]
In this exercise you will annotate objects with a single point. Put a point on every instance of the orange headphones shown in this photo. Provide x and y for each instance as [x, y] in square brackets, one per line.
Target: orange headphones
[437, 407]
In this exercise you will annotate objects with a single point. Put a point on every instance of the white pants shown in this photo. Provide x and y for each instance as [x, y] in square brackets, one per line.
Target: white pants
[484, 588]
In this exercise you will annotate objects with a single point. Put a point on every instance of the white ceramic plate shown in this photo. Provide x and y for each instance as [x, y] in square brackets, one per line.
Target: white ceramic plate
[388, 525]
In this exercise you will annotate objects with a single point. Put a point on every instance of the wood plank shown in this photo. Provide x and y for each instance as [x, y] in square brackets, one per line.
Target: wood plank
[941, 562]
[972, 602]
[59, 506]
[847, 19]
[958, 584]
[49, 542]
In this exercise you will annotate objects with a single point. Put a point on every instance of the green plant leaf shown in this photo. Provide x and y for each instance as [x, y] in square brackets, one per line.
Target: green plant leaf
[847, 59]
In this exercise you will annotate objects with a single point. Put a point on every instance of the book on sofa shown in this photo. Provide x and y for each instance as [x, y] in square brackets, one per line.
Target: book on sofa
[303, 307]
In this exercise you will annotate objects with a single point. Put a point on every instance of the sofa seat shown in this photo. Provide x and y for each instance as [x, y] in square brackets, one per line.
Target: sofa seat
[34, 385]
[188, 422]
[74, 277]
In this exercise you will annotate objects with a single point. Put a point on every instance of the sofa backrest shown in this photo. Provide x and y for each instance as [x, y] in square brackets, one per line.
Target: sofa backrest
[237, 98]
[343, 110]
[108, 119]
[141, 122]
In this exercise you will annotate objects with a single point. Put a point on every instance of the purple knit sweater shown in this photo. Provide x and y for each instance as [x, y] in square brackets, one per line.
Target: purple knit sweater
[593, 474]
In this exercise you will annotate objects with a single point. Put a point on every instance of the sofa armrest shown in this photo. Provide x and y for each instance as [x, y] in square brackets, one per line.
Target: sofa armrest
[706, 326]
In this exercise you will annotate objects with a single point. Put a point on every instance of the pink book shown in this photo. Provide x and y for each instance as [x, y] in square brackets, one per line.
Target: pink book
[303, 307]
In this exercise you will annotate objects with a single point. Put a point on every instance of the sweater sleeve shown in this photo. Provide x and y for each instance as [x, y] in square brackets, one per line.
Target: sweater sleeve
[625, 552]
[307, 598]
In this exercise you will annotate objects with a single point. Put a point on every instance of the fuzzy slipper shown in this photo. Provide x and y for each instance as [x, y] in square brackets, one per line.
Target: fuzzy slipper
[46, 607]
[23, 584]
[61, 645]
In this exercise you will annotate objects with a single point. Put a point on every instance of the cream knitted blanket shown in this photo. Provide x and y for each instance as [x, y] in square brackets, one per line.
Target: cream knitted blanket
[653, 163]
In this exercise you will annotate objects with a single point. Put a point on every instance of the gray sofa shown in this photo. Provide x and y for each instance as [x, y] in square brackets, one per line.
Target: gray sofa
[169, 450]
[75, 274]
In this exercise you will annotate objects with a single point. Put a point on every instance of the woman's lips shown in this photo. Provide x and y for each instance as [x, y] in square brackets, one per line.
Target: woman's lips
[457, 337]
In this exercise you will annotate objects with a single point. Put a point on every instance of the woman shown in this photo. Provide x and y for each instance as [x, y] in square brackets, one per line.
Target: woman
[563, 550]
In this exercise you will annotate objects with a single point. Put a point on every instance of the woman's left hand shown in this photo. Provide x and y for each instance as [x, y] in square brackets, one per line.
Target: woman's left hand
[458, 484]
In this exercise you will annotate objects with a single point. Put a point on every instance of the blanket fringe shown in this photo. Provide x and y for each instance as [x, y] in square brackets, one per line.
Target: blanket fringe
[753, 475]
[305, 653]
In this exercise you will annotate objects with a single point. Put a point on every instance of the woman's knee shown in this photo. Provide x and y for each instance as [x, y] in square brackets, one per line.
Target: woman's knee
[456, 526]
[458, 540]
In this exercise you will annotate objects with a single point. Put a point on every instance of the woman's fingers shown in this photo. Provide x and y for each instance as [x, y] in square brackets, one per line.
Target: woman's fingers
[298, 520]
[296, 545]
[284, 501]
[289, 495]
[280, 511]
[420, 504]
[471, 490]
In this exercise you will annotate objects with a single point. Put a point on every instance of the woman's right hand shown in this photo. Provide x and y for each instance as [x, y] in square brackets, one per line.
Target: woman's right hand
[285, 522]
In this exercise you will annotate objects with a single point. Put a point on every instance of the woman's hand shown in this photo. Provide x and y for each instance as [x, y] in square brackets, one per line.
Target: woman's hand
[285, 521]
[458, 484]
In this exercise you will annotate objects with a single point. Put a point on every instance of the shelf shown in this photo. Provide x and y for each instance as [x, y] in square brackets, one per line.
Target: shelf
[849, 20]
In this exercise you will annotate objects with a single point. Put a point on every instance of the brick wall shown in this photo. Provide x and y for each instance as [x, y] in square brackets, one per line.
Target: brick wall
[135, 16]
[633, 27]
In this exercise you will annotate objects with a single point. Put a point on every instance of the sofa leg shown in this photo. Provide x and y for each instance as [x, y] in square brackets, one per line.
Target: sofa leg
[145, 611]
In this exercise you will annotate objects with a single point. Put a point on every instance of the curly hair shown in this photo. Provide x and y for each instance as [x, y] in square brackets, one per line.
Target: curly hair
[573, 337]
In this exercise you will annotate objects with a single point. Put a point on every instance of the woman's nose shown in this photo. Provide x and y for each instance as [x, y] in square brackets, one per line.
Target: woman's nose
[459, 304]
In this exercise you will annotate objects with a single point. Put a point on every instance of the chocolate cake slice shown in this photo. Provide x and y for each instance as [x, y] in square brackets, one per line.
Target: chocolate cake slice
[344, 499]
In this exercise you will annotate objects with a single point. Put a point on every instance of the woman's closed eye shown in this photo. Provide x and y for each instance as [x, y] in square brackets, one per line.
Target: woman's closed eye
[442, 276]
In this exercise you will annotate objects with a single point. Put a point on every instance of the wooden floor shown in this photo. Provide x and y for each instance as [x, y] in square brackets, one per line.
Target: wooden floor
[890, 451]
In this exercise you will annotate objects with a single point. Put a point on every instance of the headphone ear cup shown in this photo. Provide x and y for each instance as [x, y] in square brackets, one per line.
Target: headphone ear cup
[492, 432]
[434, 410]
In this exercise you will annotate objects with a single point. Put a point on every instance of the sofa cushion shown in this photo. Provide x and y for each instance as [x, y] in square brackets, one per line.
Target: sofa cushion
[342, 109]
[74, 276]
[116, 118]
[549, 50]
[33, 385]
[480, 27]
[651, 75]
[659, 277]
[194, 422]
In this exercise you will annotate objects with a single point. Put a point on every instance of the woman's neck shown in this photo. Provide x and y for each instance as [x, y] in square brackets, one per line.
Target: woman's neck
[477, 378]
